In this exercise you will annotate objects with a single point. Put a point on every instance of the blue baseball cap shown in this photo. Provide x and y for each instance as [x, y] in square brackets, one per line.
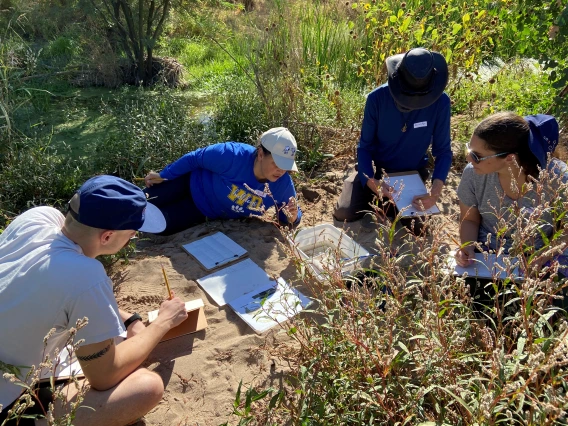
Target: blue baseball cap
[109, 202]
[543, 136]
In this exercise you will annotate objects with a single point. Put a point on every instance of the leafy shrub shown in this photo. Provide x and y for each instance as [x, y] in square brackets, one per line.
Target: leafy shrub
[241, 114]
[520, 85]
[62, 50]
[424, 352]
[35, 173]
[152, 129]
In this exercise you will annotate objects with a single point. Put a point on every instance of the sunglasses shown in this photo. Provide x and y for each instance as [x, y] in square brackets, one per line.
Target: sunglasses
[477, 159]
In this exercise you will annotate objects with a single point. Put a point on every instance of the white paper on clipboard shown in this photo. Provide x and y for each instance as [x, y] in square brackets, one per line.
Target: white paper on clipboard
[406, 186]
[215, 250]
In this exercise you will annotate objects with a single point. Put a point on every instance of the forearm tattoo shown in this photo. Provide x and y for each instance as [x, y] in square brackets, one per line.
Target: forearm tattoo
[96, 354]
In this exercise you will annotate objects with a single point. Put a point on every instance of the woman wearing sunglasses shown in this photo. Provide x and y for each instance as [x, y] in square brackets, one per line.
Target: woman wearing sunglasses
[506, 151]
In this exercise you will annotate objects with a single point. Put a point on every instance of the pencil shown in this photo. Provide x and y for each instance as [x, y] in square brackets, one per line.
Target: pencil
[152, 180]
[167, 283]
[453, 239]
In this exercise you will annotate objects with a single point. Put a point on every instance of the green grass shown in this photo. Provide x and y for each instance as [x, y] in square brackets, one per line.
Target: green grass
[202, 59]
[75, 117]
[520, 86]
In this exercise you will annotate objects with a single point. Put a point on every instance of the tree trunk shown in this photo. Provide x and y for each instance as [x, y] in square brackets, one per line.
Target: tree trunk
[142, 76]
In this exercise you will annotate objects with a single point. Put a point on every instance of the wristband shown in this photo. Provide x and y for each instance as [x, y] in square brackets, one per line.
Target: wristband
[133, 318]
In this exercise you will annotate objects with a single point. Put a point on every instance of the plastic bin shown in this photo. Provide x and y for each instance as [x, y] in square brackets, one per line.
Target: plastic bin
[326, 248]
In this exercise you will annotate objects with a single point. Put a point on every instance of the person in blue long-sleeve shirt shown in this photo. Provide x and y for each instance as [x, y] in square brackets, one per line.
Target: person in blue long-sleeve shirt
[402, 119]
[227, 181]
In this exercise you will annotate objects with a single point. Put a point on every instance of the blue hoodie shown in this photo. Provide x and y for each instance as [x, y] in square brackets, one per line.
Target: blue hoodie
[384, 143]
[223, 184]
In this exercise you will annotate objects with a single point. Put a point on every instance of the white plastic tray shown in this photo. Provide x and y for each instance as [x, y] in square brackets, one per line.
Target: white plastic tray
[326, 248]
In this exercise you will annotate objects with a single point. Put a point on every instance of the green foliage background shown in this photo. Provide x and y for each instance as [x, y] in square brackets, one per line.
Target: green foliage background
[306, 65]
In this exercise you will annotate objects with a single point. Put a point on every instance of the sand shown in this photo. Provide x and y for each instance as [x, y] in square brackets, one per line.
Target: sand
[202, 371]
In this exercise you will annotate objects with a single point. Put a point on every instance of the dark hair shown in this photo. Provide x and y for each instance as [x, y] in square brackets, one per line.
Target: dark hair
[509, 132]
[264, 150]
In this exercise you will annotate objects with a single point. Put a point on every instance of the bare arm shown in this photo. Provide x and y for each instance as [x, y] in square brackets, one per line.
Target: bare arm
[105, 364]
[470, 220]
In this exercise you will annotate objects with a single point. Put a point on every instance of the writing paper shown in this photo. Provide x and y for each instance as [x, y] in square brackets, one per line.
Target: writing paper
[269, 305]
[234, 281]
[493, 267]
[406, 186]
[68, 367]
[215, 250]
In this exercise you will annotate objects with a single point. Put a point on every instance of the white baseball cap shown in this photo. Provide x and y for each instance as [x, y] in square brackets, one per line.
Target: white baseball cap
[282, 145]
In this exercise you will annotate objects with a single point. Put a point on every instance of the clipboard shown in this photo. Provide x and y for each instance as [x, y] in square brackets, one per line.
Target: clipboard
[214, 251]
[195, 321]
[412, 185]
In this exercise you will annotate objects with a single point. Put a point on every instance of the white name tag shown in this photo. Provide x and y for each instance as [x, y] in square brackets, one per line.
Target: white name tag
[421, 124]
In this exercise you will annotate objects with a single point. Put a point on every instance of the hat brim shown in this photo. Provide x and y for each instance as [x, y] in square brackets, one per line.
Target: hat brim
[418, 101]
[154, 220]
[283, 163]
[539, 144]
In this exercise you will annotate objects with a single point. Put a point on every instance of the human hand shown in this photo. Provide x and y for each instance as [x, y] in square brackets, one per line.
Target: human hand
[152, 178]
[172, 312]
[424, 201]
[291, 210]
[464, 256]
[385, 189]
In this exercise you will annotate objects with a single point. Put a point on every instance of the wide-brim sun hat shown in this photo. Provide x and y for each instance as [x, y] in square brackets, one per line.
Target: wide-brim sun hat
[109, 202]
[282, 145]
[417, 78]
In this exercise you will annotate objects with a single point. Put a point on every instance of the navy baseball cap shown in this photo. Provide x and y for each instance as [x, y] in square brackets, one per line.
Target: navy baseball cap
[543, 136]
[109, 202]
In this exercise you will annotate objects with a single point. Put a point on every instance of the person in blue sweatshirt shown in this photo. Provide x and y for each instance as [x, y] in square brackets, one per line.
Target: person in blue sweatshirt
[402, 119]
[228, 181]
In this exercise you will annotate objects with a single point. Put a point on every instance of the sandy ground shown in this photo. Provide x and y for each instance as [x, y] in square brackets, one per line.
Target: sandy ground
[202, 371]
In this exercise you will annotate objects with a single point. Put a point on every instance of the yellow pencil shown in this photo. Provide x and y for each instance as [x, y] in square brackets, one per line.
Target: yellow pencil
[167, 283]
[152, 180]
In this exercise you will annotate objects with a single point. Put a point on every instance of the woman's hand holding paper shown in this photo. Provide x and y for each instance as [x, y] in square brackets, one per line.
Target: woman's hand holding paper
[424, 201]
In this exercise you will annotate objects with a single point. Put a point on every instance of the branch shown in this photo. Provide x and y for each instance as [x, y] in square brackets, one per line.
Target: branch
[150, 17]
[254, 80]
[130, 23]
[115, 16]
[162, 19]
[141, 25]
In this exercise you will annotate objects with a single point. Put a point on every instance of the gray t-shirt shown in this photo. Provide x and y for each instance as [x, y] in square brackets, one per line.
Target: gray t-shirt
[485, 193]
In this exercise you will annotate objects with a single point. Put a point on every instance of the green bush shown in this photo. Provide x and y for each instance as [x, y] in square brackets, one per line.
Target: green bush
[405, 344]
[241, 114]
[151, 129]
[519, 85]
[35, 173]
